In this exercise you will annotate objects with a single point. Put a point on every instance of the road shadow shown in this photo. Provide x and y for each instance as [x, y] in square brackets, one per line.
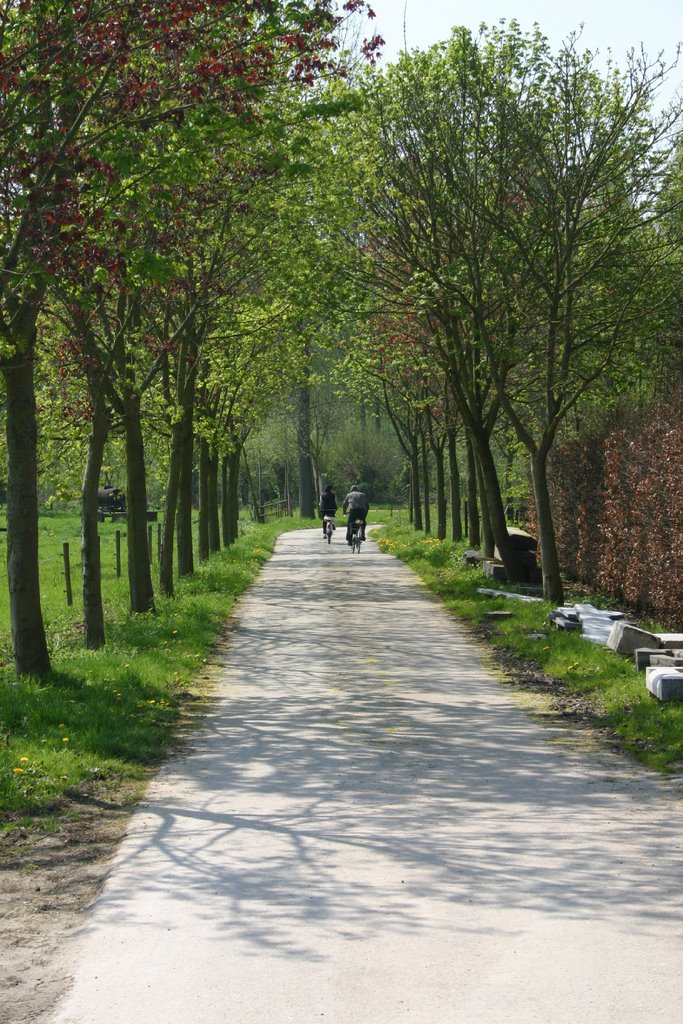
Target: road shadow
[360, 768]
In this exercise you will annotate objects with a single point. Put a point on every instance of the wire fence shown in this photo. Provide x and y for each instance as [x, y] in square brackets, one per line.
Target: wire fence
[60, 569]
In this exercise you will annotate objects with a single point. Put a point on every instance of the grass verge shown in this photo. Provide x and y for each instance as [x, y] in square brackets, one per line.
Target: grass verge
[610, 685]
[102, 718]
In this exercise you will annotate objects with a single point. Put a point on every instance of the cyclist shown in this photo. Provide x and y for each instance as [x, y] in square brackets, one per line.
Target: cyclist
[358, 506]
[328, 504]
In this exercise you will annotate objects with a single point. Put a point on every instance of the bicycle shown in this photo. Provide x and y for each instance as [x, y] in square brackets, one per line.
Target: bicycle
[329, 527]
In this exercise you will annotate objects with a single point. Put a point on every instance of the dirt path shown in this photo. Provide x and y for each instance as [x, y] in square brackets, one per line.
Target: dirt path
[369, 829]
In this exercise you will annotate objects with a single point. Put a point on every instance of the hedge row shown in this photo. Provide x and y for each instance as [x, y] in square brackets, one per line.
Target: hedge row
[618, 505]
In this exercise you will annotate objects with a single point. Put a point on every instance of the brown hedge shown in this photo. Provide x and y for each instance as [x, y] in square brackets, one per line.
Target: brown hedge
[618, 506]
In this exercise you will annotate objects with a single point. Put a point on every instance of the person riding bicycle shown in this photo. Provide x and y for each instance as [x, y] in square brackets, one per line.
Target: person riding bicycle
[328, 504]
[358, 507]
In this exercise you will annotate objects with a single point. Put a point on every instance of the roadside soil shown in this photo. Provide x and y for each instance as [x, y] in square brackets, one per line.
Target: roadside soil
[47, 880]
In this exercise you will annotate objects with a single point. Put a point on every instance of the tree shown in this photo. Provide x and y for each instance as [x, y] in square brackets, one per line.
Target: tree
[75, 78]
[419, 235]
[586, 164]
[513, 201]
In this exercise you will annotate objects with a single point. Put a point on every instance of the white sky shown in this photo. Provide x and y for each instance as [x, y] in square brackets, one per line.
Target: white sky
[619, 25]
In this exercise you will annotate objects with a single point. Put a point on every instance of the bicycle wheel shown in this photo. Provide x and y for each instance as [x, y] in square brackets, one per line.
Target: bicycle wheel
[329, 534]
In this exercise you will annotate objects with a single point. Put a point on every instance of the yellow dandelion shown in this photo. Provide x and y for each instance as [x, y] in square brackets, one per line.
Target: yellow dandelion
[65, 739]
[24, 759]
[18, 771]
[61, 725]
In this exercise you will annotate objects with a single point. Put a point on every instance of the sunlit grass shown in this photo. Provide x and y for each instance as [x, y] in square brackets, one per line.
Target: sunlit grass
[106, 716]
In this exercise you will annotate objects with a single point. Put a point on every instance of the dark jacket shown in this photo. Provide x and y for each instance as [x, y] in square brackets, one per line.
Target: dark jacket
[328, 502]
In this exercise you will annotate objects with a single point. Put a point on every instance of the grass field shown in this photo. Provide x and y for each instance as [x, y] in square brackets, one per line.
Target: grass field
[650, 731]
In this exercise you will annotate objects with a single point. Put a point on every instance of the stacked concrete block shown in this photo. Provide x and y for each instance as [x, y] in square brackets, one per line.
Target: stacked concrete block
[626, 639]
[643, 656]
[595, 623]
[664, 683]
[509, 595]
[673, 640]
[472, 557]
[495, 571]
[589, 610]
[565, 619]
[596, 628]
[666, 659]
[526, 547]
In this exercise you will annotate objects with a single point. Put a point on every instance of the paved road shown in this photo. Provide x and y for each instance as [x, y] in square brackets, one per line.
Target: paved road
[369, 830]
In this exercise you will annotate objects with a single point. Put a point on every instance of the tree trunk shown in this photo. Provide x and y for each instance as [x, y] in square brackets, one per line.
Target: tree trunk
[226, 522]
[454, 481]
[441, 508]
[550, 563]
[93, 612]
[203, 500]
[473, 533]
[184, 537]
[256, 506]
[509, 463]
[306, 485]
[28, 631]
[171, 504]
[318, 485]
[231, 497]
[212, 496]
[139, 565]
[495, 508]
[488, 543]
[415, 483]
[234, 492]
[425, 485]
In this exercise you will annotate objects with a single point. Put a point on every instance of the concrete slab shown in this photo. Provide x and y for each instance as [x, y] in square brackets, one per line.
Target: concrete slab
[508, 594]
[664, 683]
[495, 571]
[584, 610]
[643, 655]
[666, 661]
[670, 639]
[560, 621]
[625, 638]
